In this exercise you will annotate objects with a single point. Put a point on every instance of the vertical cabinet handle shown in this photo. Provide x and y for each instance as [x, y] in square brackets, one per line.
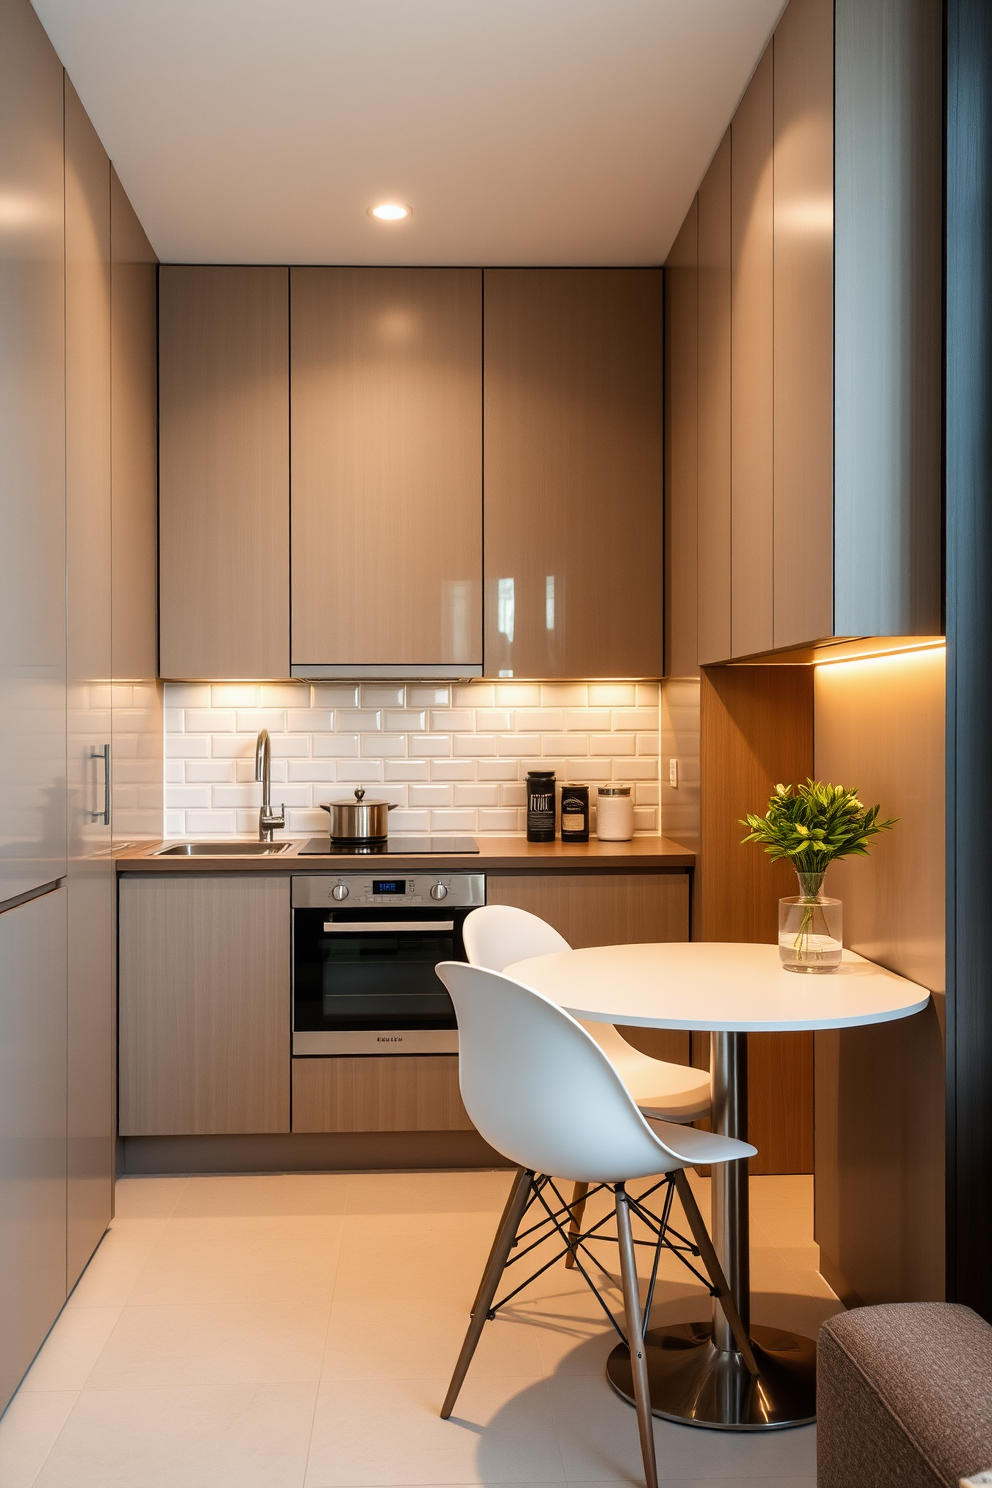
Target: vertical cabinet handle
[103, 754]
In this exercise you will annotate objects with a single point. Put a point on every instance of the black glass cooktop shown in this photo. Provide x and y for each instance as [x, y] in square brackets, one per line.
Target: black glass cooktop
[396, 846]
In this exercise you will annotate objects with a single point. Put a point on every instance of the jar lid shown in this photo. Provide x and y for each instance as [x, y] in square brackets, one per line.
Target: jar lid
[541, 774]
[614, 790]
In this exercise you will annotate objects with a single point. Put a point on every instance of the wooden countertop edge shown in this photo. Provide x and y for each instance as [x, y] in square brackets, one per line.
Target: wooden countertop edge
[496, 854]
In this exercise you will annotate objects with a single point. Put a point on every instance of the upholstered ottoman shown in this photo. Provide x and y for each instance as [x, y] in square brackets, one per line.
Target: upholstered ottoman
[903, 1397]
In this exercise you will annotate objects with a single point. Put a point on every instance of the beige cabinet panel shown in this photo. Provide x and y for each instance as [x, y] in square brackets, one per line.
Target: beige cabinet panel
[386, 380]
[134, 436]
[681, 453]
[224, 471]
[592, 909]
[398, 1093]
[574, 476]
[204, 1005]
[714, 379]
[752, 263]
[803, 322]
[91, 882]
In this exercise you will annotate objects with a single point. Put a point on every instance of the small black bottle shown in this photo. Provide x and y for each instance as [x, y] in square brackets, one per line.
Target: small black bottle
[575, 813]
[540, 805]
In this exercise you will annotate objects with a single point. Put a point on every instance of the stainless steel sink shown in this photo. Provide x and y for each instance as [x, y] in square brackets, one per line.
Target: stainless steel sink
[222, 850]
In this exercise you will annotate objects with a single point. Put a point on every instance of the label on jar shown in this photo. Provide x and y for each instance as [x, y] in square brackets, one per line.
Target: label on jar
[573, 821]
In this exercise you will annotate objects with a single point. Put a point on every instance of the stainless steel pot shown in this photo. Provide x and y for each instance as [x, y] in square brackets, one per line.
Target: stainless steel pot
[359, 821]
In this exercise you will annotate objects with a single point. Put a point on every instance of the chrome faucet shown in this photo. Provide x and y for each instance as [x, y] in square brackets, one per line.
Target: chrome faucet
[267, 820]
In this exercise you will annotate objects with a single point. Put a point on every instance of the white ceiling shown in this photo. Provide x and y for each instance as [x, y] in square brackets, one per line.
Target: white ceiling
[520, 131]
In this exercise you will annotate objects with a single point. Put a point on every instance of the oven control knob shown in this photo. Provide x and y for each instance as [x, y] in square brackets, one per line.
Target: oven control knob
[439, 891]
[339, 892]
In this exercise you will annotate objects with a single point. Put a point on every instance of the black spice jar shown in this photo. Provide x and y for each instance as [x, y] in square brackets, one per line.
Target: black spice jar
[575, 813]
[540, 805]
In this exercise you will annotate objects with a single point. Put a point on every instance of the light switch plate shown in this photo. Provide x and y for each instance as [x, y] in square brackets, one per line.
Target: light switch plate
[673, 773]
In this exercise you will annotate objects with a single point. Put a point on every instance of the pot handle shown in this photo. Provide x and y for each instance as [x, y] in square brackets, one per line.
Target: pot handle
[391, 806]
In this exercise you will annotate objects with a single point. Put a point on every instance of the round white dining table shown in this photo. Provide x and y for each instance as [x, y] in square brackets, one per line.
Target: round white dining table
[730, 990]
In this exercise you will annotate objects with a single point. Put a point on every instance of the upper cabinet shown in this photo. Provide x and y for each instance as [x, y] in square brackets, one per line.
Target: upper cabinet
[224, 470]
[573, 460]
[803, 345]
[386, 382]
[322, 470]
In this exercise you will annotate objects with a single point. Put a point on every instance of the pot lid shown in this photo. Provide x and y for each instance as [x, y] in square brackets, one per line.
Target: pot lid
[358, 801]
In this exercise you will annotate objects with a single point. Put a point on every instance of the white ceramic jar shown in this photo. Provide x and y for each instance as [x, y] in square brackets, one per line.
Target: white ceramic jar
[614, 813]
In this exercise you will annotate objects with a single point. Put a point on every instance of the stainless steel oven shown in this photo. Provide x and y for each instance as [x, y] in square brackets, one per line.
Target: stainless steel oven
[365, 946]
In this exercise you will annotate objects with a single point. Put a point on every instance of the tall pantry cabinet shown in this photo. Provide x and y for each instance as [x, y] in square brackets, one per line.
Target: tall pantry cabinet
[74, 544]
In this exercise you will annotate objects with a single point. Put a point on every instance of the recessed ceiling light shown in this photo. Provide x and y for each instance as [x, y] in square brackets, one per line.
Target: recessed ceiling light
[390, 212]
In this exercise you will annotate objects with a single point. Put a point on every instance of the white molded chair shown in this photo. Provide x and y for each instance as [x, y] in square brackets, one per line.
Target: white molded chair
[499, 934]
[541, 1091]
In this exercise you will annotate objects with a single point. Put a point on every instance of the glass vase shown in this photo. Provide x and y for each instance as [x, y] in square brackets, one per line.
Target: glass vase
[810, 928]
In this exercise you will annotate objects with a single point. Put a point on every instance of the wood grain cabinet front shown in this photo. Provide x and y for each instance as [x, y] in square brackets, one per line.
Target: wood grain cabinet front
[204, 1005]
[573, 456]
[398, 1093]
[386, 380]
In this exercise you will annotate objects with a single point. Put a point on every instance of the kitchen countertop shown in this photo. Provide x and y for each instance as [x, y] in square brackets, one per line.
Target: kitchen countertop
[496, 854]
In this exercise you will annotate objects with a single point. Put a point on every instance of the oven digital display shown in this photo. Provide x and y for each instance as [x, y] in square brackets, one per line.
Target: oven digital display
[389, 886]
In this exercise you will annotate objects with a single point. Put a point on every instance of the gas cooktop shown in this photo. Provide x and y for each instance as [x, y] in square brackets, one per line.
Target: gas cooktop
[396, 846]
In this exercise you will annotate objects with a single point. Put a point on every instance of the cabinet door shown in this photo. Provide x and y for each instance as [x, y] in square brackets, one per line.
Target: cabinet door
[573, 453]
[32, 1130]
[397, 1093]
[90, 882]
[386, 378]
[681, 452]
[592, 909]
[204, 1004]
[32, 462]
[224, 471]
[714, 374]
[751, 366]
[804, 322]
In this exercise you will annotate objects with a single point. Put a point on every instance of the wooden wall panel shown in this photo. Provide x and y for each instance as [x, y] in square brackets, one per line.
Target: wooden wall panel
[804, 329]
[681, 451]
[757, 730]
[134, 441]
[714, 377]
[204, 1005]
[752, 259]
[397, 1093]
[574, 472]
[386, 377]
[591, 909]
[224, 471]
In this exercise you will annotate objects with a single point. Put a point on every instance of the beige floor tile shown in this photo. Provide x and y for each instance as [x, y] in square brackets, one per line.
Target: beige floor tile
[597, 1432]
[375, 1338]
[389, 1432]
[236, 1195]
[119, 1260]
[233, 1343]
[292, 1259]
[473, 1191]
[206, 1437]
[414, 1255]
[28, 1432]
[72, 1348]
[147, 1198]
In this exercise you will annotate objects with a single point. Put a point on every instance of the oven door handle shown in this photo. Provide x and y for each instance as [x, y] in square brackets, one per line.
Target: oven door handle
[384, 927]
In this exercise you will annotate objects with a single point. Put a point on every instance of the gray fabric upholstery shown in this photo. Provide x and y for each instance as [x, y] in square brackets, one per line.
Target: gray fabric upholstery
[904, 1397]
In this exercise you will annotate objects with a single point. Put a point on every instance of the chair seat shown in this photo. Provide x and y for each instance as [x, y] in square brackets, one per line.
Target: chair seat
[666, 1092]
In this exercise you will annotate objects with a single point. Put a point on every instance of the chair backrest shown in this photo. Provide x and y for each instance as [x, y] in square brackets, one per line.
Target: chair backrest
[497, 935]
[539, 1089]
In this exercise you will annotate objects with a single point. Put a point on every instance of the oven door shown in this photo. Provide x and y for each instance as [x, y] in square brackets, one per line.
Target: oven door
[364, 980]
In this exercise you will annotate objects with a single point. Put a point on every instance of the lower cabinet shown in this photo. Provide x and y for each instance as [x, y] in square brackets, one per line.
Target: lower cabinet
[592, 909]
[32, 1129]
[204, 1004]
[399, 1092]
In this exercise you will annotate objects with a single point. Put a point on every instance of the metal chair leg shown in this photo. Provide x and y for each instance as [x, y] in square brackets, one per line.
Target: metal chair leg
[711, 1261]
[499, 1230]
[579, 1192]
[635, 1338]
[502, 1245]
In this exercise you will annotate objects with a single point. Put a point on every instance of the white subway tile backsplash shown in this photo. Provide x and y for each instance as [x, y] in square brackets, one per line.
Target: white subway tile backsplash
[451, 759]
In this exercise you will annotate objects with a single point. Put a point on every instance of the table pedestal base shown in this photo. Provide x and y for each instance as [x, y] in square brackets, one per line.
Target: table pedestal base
[699, 1385]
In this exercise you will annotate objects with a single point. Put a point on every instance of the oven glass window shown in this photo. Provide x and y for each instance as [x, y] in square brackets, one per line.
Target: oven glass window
[360, 977]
